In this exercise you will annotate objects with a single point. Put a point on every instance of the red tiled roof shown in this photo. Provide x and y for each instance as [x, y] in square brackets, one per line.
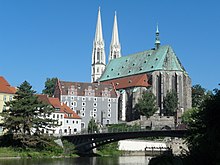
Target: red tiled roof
[67, 110]
[5, 86]
[44, 99]
[3, 81]
[140, 80]
[56, 104]
[49, 100]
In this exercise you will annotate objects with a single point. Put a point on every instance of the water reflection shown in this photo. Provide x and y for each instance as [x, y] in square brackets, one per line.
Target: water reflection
[123, 160]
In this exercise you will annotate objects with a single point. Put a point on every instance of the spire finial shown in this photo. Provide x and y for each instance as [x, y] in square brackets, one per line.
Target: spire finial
[157, 29]
[157, 41]
[115, 48]
[98, 35]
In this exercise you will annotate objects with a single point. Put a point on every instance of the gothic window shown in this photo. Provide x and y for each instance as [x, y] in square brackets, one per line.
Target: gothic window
[98, 56]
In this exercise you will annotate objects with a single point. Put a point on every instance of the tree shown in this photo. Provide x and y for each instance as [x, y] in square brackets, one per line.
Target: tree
[26, 117]
[49, 86]
[147, 104]
[187, 115]
[198, 95]
[92, 126]
[204, 132]
[170, 103]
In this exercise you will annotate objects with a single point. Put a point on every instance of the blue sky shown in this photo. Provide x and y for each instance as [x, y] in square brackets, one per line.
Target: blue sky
[42, 39]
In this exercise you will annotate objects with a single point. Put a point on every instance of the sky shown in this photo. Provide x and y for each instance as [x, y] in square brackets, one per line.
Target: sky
[41, 39]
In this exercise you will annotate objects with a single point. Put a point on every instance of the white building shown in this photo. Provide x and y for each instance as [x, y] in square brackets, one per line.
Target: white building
[69, 121]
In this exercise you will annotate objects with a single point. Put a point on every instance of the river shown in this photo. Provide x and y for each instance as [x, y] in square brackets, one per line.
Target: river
[121, 160]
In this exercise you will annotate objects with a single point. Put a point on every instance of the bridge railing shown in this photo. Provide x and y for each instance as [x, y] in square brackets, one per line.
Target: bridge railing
[111, 130]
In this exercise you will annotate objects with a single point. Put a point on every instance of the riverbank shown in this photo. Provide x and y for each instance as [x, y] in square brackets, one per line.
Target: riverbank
[12, 153]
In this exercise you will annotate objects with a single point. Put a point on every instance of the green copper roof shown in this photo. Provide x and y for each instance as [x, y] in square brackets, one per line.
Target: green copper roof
[163, 58]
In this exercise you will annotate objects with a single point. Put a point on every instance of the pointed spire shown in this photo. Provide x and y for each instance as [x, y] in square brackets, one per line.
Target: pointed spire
[115, 39]
[98, 53]
[98, 34]
[157, 41]
[115, 48]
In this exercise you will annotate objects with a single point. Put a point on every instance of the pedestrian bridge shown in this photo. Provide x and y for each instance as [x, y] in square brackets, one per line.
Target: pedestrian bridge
[84, 143]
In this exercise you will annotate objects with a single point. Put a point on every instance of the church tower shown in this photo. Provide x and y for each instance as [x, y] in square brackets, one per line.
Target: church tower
[157, 41]
[115, 47]
[98, 53]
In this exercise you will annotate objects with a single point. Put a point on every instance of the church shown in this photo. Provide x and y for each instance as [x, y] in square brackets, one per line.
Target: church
[158, 70]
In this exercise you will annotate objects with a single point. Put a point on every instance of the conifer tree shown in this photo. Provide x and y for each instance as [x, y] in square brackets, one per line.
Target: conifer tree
[26, 116]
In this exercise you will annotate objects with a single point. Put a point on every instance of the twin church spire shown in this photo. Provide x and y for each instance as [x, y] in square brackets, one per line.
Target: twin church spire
[115, 47]
[98, 54]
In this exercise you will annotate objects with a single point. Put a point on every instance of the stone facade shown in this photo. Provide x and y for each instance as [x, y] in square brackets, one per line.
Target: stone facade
[164, 73]
[89, 100]
[160, 69]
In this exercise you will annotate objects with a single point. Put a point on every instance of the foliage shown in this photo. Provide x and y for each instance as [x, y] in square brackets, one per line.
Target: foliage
[109, 149]
[123, 128]
[69, 148]
[147, 104]
[187, 115]
[204, 132]
[170, 103]
[199, 94]
[50, 86]
[92, 126]
[25, 119]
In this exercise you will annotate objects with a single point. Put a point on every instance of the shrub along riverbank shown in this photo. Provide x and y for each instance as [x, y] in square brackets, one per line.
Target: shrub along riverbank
[49, 151]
